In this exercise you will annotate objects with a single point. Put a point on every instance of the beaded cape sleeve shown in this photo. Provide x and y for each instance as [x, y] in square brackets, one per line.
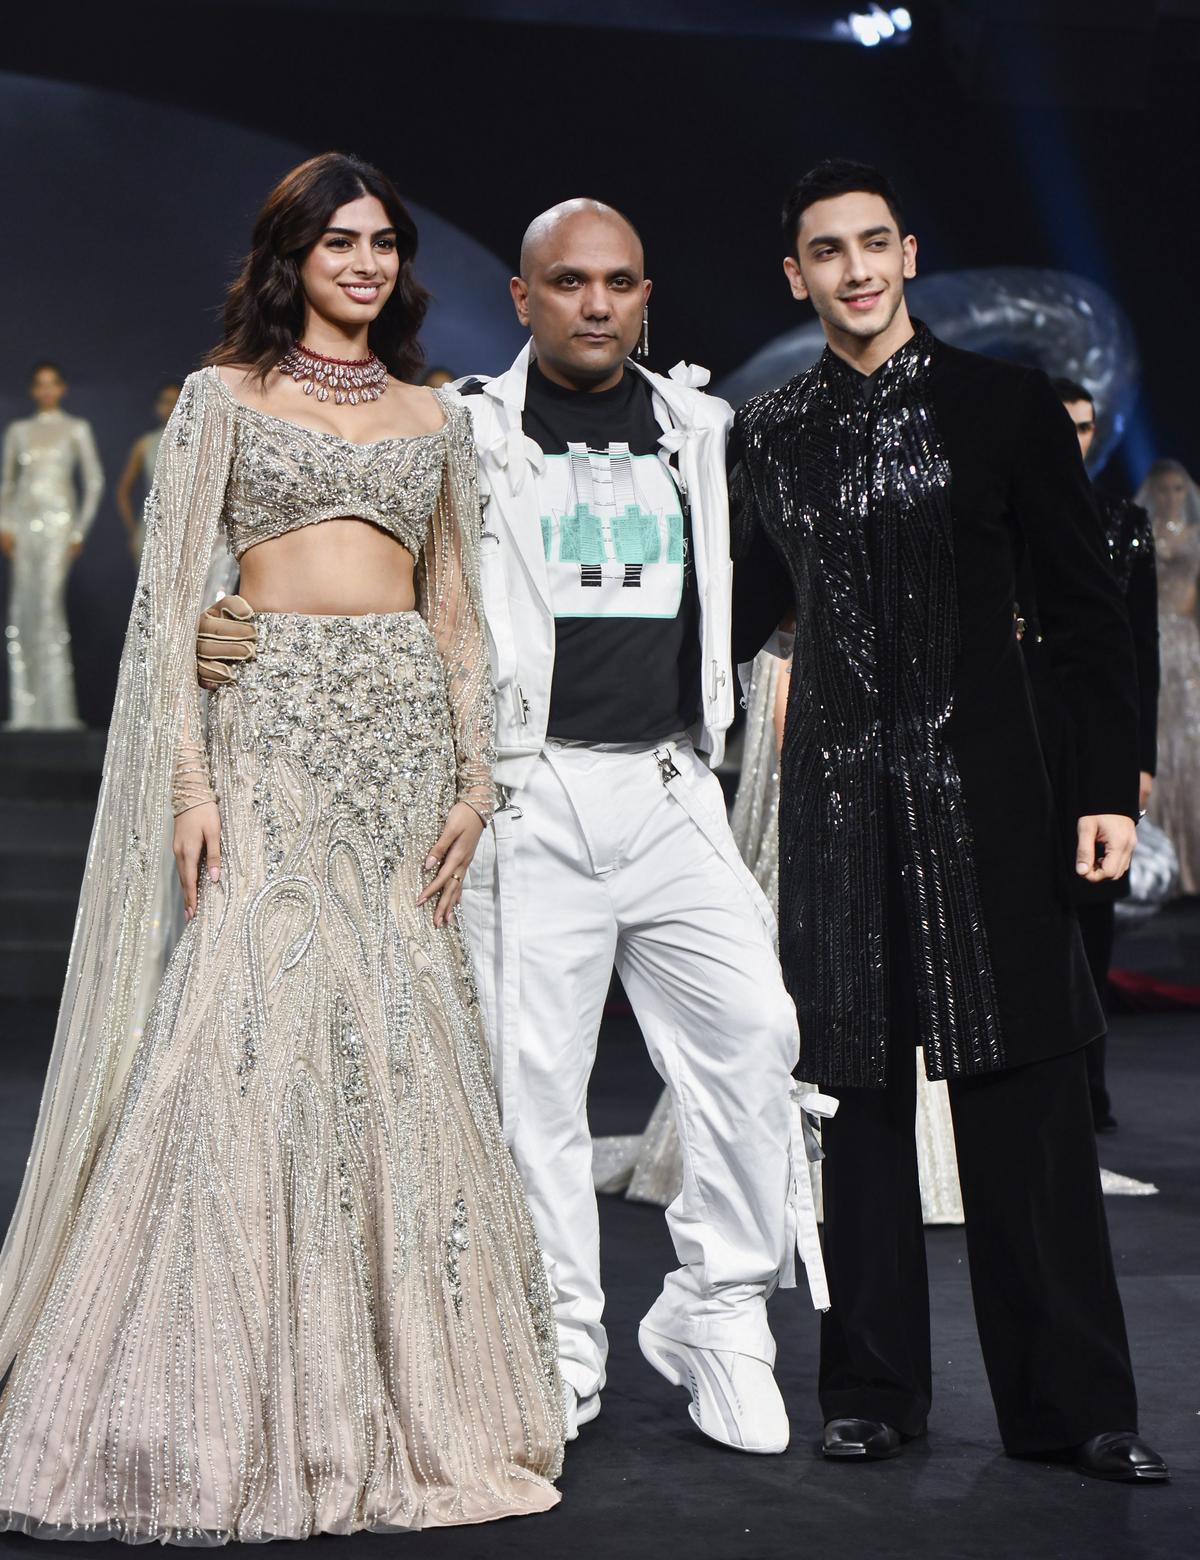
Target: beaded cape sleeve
[156, 701]
[448, 598]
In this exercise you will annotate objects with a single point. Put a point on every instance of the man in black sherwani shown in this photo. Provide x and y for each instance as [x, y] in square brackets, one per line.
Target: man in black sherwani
[884, 496]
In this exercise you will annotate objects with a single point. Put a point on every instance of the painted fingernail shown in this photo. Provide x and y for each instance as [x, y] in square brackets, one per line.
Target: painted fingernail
[215, 874]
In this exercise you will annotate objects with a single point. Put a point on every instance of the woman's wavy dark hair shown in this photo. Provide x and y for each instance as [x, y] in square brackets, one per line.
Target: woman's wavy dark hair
[264, 307]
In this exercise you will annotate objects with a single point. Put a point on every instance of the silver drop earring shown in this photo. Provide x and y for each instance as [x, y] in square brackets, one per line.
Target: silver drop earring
[642, 351]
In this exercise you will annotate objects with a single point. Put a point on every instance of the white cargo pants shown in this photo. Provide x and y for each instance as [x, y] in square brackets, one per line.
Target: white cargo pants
[627, 857]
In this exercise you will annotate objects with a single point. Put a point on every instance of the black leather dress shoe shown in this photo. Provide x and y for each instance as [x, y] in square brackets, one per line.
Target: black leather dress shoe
[1121, 1455]
[868, 1439]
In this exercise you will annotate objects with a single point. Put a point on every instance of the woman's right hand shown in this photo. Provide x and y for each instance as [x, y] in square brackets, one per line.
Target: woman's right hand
[197, 837]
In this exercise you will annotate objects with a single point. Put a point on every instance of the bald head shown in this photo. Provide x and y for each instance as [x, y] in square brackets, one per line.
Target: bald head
[548, 232]
[581, 292]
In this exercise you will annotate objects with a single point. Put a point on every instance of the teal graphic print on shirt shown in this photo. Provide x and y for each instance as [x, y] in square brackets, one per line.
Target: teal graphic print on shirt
[634, 537]
[613, 534]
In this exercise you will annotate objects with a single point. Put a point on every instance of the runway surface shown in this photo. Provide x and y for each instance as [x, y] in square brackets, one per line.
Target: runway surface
[642, 1484]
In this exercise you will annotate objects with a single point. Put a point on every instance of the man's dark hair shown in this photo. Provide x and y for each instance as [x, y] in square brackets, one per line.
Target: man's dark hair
[835, 176]
[1071, 390]
[49, 366]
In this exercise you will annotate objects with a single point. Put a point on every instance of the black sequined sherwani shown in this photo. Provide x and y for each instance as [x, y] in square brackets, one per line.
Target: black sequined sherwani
[891, 515]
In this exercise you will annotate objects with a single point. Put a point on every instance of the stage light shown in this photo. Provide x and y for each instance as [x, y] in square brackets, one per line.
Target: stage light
[864, 30]
[875, 26]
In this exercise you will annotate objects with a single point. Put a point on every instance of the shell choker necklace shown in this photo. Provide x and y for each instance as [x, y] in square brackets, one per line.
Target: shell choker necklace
[347, 380]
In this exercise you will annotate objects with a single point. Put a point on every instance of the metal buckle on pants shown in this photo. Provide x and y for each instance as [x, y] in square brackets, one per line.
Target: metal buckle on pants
[666, 765]
[507, 805]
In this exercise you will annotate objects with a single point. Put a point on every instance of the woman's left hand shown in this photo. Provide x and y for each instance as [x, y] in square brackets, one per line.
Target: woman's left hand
[450, 858]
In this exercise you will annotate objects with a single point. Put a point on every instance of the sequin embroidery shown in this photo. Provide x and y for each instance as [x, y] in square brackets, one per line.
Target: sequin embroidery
[285, 476]
[855, 494]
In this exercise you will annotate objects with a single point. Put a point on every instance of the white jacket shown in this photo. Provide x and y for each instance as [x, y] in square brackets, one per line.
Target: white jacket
[516, 589]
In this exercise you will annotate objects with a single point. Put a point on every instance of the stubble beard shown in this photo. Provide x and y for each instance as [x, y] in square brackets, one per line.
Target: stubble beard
[863, 330]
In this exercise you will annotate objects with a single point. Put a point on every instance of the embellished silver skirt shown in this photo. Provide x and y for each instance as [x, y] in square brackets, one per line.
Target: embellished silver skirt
[303, 1293]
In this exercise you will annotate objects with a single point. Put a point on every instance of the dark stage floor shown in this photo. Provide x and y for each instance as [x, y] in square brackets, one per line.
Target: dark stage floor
[640, 1482]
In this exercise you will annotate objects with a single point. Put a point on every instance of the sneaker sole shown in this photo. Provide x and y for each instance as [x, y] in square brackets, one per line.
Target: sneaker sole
[676, 1369]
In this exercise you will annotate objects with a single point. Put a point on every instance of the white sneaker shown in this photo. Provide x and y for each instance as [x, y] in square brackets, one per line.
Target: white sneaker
[735, 1399]
[578, 1411]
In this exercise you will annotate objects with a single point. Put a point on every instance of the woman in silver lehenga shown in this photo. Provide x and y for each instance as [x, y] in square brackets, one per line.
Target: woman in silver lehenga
[1173, 502]
[271, 1272]
[49, 493]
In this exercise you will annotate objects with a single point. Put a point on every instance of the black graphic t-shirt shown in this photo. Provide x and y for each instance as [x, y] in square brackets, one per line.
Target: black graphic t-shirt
[618, 557]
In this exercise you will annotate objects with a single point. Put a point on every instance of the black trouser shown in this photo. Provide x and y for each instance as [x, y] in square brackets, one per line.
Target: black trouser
[1046, 1302]
[1096, 922]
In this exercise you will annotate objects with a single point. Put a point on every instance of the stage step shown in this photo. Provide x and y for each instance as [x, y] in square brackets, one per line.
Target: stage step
[48, 869]
[49, 782]
[28, 823]
[32, 968]
[64, 750]
[33, 913]
[53, 784]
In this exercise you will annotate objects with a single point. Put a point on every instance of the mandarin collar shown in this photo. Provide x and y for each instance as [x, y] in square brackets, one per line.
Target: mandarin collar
[918, 346]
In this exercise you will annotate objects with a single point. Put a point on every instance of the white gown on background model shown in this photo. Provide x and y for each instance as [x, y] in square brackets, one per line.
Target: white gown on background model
[41, 510]
[1175, 802]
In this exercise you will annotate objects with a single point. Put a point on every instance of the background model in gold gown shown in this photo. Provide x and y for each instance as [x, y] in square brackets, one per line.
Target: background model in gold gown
[1173, 502]
[44, 519]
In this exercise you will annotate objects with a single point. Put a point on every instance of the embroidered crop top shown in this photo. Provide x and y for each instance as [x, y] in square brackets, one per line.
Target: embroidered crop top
[276, 476]
[284, 476]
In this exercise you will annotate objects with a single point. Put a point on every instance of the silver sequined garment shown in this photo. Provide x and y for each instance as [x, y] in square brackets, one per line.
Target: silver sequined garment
[285, 476]
[45, 516]
[296, 1288]
[148, 445]
[650, 1168]
[1175, 800]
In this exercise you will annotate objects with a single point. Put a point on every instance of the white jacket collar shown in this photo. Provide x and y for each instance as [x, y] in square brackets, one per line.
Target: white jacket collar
[674, 408]
[672, 390]
[510, 386]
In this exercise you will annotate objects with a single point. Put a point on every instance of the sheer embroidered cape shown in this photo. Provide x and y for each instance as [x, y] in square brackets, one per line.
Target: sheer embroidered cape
[114, 946]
